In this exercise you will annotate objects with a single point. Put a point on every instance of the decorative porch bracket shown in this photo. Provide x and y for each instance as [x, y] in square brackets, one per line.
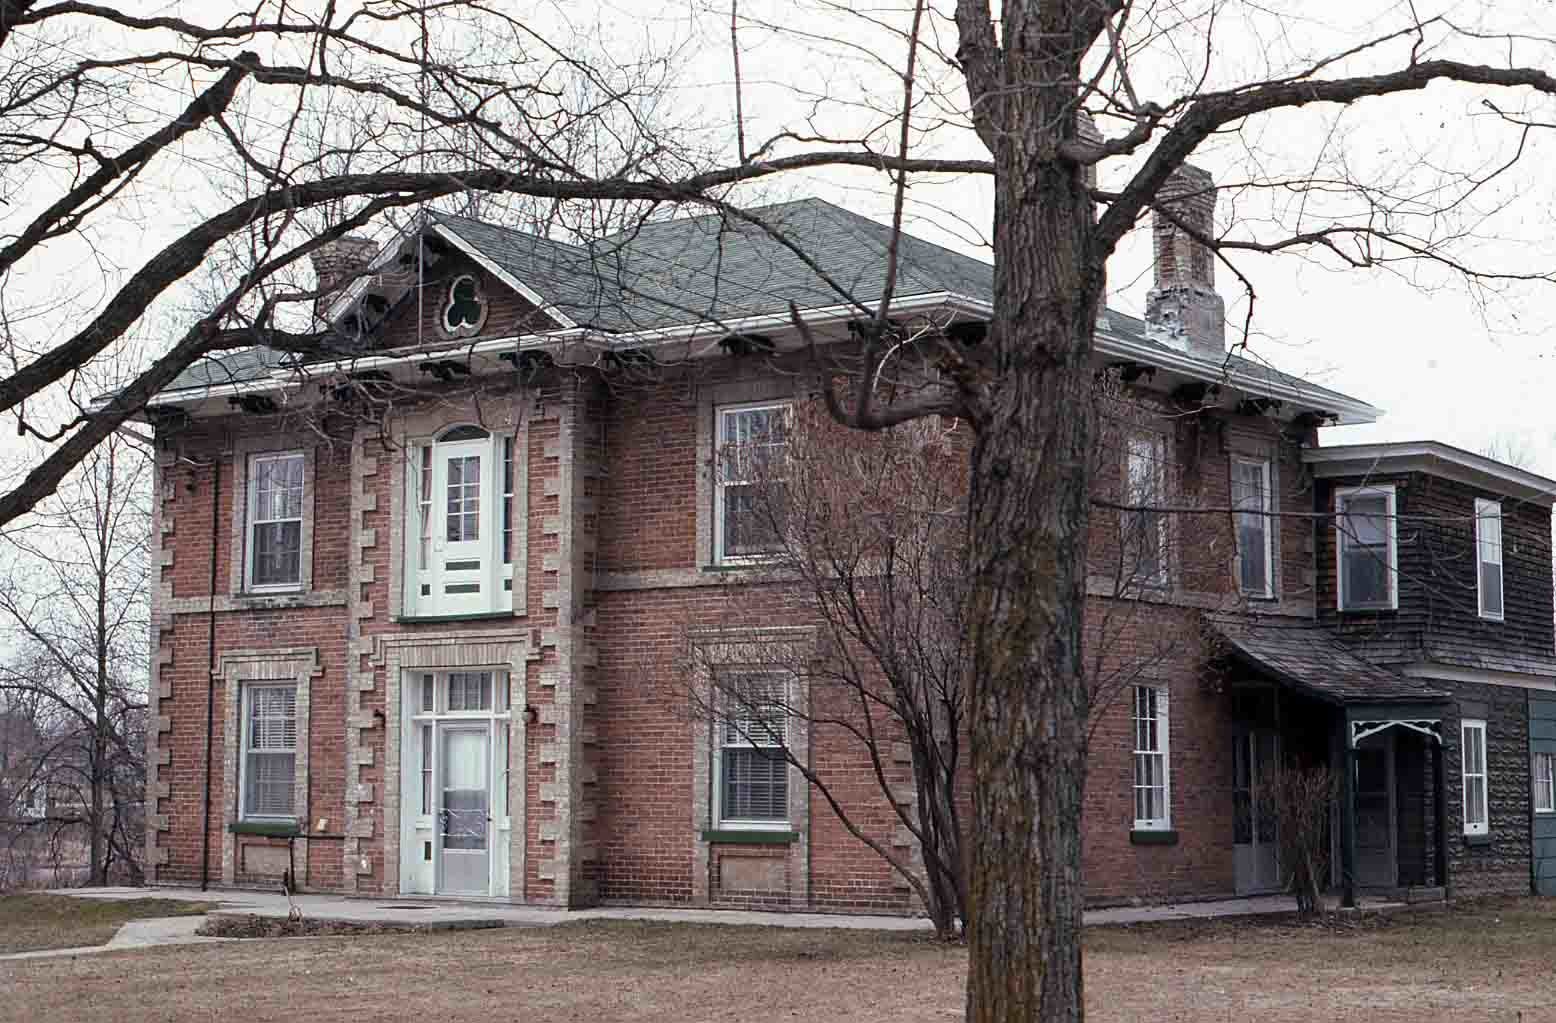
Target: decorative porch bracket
[1432, 728]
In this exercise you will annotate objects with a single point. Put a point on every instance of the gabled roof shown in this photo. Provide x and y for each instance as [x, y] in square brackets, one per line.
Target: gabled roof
[720, 270]
[1306, 657]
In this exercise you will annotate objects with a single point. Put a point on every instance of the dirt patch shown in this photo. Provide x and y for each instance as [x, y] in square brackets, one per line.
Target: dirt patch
[246, 925]
[35, 921]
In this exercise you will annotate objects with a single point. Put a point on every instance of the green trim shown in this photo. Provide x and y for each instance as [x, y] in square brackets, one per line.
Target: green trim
[1477, 841]
[474, 616]
[1151, 836]
[750, 837]
[272, 829]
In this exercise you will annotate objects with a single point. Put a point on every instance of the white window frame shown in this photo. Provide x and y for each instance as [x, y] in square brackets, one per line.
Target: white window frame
[1391, 568]
[246, 750]
[1481, 778]
[1485, 512]
[723, 741]
[34, 801]
[497, 509]
[1543, 772]
[1264, 509]
[1158, 464]
[1162, 721]
[252, 523]
[720, 441]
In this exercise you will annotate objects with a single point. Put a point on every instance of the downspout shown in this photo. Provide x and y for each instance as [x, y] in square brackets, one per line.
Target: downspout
[210, 677]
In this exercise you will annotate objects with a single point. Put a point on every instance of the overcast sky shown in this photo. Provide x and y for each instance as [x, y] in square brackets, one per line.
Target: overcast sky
[1445, 362]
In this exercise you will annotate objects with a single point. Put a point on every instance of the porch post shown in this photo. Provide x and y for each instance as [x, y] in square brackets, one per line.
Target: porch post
[1440, 811]
[1347, 813]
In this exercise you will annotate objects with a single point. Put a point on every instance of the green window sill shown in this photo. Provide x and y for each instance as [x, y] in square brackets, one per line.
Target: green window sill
[1151, 836]
[473, 616]
[271, 829]
[1477, 841]
[734, 837]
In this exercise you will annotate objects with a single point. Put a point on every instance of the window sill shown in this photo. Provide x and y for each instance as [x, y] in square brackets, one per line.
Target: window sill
[468, 616]
[270, 829]
[750, 837]
[1477, 841]
[1153, 836]
[750, 565]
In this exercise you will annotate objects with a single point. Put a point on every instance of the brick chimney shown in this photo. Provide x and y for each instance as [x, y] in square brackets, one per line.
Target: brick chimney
[335, 262]
[1183, 309]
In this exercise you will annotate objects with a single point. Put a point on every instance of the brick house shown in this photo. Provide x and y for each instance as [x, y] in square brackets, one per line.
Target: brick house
[421, 651]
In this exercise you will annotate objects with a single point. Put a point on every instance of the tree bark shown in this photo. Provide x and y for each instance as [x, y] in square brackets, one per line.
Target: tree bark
[1028, 523]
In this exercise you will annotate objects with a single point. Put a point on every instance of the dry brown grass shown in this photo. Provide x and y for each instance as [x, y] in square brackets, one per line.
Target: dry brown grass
[1488, 962]
[35, 921]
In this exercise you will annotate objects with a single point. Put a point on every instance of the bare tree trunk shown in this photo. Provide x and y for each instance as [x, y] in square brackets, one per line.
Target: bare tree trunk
[1028, 521]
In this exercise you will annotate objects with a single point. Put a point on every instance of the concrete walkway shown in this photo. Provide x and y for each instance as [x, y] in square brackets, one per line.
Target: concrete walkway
[167, 930]
[444, 913]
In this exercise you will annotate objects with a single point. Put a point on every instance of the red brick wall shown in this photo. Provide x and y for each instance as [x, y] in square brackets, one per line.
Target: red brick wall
[645, 506]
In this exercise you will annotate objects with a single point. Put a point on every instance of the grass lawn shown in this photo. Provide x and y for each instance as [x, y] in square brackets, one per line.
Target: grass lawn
[30, 922]
[1489, 962]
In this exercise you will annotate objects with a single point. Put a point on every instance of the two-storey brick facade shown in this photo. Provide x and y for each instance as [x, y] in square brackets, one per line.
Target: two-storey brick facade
[422, 600]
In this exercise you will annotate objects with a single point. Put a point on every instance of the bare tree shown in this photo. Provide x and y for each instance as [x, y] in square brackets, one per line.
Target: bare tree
[1149, 75]
[73, 609]
[1303, 798]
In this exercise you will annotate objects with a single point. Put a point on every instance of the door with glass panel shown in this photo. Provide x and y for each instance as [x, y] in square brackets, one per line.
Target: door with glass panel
[464, 817]
[455, 828]
[1255, 849]
[456, 503]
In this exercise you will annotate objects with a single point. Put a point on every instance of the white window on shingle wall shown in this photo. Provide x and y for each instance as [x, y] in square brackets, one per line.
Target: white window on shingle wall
[752, 782]
[1255, 526]
[1488, 558]
[275, 522]
[1152, 791]
[460, 537]
[1544, 771]
[1366, 549]
[269, 763]
[1477, 819]
[1144, 526]
[751, 443]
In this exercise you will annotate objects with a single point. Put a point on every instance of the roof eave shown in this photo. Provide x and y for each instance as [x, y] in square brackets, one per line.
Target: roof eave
[1434, 458]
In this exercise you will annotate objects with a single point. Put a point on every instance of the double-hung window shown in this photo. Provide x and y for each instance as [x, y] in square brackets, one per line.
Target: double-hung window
[1144, 523]
[460, 539]
[269, 762]
[1476, 802]
[1151, 789]
[1366, 549]
[753, 767]
[1544, 771]
[275, 522]
[749, 490]
[1488, 557]
[1255, 527]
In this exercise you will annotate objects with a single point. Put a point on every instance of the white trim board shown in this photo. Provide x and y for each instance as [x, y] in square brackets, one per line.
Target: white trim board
[1480, 676]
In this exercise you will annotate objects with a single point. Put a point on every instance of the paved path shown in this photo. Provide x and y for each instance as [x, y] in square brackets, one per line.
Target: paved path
[441, 912]
[167, 930]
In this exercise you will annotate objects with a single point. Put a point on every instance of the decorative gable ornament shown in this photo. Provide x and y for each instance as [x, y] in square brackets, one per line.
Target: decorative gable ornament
[464, 307]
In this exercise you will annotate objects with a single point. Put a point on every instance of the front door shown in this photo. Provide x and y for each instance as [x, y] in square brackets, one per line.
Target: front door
[1377, 864]
[464, 819]
[1255, 849]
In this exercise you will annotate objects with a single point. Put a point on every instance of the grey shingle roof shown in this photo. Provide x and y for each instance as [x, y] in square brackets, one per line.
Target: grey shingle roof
[718, 268]
[1306, 657]
[234, 367]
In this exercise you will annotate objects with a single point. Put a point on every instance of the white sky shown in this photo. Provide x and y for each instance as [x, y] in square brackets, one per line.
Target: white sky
[1442, 364]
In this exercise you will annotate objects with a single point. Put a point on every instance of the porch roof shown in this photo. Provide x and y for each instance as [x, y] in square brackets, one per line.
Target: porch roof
[1306, 657]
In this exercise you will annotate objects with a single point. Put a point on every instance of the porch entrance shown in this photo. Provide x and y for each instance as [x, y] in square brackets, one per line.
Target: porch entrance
[454, 828]
[1377, 838]
[1255, 822]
